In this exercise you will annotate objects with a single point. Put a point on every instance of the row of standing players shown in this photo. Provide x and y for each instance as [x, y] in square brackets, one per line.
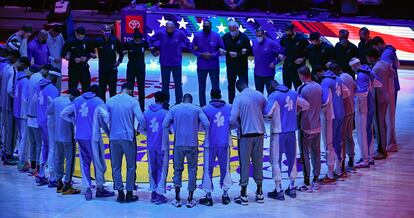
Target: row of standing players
[168, 43]
[251, 136]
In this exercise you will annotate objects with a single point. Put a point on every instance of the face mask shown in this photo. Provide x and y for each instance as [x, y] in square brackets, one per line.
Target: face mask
[107, 34]
[43, 41]
[206, 29]
[80, 38]
[170, 33]
[290, 35]
[259, 39]
[234, 33]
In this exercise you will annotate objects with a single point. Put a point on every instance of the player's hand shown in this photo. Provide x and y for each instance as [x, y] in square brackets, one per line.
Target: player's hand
[233, 54]
[116, 64]
[206, 55]
[281, 57]
[299, 60]
[222, 51]
[244, 51]
[151, 48]
[272, 65]
[78, 60]
[93, 55]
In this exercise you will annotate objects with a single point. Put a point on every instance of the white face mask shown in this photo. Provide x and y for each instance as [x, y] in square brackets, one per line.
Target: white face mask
[234, 33]
[259, 39]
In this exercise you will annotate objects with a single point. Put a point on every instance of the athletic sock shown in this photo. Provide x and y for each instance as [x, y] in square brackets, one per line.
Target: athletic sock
[33, 165]
[177, 193]
[243, 190]
[190, 195]
[259, 189]
[225, 192]
[315, 179]
[278, 187]
[292, 184]
[306, 181]
[208, 195]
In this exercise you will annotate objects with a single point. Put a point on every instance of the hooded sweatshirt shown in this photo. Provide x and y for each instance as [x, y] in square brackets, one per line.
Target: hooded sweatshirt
[186, 119]
[21, 95]
[3, 63]
[282, 106]
[63, 128]
[218, 113]
[310, 120]
[33, 83]
[153, 119]
[123, 111]
[7, 73]
[45, 93]
[88, 112]
[170, 46]
[389, 55]
[385, 74]
[349, 82]
[333, 93]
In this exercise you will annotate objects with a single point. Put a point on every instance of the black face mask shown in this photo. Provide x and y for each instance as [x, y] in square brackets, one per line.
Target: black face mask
[206, 29]
[289, 35]
[170, 33]
[43, 41]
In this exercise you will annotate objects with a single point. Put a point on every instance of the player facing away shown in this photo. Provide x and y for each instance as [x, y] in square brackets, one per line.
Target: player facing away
[64, 142]
[45, 92]
[85, 112]
[310, 126]
[333, 92]
[157, 154]
[248, 109]
[123, 110]
[218, 113]
[186, 119]
[282, 107]
[364, 88]
[348, 144]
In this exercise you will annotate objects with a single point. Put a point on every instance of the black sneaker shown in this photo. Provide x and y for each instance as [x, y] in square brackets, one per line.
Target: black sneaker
[291, 192]
[225, 199]
[103, 193]
[121, 196]
[276, 195]
[130, 197]
[59, 186]
[206, 201]
[153, 197]
[243, 200]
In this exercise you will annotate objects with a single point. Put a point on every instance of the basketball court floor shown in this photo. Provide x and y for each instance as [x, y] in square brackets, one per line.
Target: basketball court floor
[383, 190]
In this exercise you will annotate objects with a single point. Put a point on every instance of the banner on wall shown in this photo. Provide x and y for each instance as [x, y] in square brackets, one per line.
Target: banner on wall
[131, 19]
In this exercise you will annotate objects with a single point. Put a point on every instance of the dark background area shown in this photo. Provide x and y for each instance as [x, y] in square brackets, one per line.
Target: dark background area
[391, 9]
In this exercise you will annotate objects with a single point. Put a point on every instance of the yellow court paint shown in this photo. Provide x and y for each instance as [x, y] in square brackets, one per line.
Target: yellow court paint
[142, 160]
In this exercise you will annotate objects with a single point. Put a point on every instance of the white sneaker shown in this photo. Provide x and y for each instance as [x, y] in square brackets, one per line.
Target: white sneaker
[315, 186]
[176, 203]
[305, 188]
[191, 204]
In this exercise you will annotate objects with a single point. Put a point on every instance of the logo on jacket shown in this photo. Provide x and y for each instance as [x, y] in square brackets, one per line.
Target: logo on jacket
[338, 89]
[154, 125]
[41, 98]
[84, 110]
[219, 121]
[289, 103]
